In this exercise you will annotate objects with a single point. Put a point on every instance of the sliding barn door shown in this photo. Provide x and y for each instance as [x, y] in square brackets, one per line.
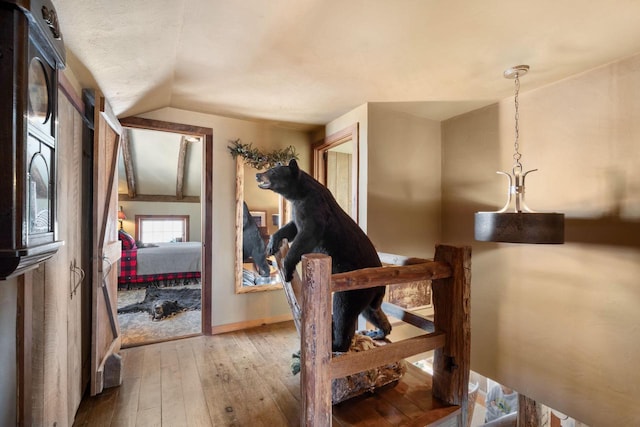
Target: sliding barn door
[106, 365]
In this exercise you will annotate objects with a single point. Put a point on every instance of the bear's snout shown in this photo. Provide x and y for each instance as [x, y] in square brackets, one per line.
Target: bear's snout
[263, 181]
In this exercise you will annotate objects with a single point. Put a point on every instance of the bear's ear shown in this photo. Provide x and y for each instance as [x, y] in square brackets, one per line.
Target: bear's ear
[293, 165]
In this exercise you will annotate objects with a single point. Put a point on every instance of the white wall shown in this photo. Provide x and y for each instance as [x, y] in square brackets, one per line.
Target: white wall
[559, 323]
[229, 307]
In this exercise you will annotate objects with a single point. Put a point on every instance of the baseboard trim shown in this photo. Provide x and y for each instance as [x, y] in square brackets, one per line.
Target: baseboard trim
[246, 324]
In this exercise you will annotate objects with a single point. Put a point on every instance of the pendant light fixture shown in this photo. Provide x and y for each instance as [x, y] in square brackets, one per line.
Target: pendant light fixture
[516, 222]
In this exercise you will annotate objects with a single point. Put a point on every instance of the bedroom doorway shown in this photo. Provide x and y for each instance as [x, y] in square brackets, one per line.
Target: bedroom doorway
[165, 214]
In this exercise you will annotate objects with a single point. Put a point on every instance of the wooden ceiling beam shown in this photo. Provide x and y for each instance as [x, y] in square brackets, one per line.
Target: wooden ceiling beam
[182, 161]
[129, 169]
[123, 197]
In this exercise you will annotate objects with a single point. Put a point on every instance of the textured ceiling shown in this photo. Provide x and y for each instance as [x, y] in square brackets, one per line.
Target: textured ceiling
[310, 61]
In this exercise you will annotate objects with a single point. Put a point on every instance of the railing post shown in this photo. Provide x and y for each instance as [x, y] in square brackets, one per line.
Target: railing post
[452, 300]
[316, 338]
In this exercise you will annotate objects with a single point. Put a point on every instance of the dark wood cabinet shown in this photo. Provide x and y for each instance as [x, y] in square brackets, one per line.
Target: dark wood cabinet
[31, 52]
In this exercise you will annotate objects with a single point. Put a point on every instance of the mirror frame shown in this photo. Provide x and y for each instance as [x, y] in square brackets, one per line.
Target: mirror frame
[350, 133]
[283, 212]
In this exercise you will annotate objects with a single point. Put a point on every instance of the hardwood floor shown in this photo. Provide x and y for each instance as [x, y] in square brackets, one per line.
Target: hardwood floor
[237, 379]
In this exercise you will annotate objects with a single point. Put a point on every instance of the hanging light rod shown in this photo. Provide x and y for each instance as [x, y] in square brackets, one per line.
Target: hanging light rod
[516, 222]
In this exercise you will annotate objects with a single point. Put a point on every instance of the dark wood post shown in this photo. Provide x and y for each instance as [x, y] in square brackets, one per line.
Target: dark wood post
[528, 412]
[316, 341]
[452, 362]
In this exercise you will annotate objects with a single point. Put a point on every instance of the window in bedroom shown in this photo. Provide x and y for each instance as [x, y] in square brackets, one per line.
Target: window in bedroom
[162, 228]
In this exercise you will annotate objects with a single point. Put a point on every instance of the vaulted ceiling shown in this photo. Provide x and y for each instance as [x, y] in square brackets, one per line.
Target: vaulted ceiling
[310, 61]
[159, 166]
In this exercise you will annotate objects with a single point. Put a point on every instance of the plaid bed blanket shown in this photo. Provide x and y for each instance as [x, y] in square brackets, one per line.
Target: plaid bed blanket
[128, 265]
[129, 273]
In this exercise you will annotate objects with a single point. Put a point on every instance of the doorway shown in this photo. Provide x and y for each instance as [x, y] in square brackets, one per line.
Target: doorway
[335, 164]
[164, 289]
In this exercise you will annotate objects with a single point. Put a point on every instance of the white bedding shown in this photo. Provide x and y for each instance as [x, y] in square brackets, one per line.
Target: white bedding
[176, 257]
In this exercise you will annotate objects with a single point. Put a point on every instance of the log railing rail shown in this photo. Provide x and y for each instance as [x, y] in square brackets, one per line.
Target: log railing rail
[448, 334]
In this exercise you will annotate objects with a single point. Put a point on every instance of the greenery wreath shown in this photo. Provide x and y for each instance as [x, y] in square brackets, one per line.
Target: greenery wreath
[259, 160]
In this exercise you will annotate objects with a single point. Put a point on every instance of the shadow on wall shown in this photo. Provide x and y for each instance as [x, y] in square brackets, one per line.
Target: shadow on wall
[611, 231]
[604, 230]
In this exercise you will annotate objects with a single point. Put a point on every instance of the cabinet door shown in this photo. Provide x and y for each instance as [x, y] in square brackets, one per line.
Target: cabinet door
[70, 213]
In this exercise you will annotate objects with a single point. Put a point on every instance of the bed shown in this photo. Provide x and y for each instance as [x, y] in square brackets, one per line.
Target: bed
[159, 263]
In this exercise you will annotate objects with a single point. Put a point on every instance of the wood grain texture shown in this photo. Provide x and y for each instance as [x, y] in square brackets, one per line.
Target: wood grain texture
[451, 272]
[354, 362]
[55, 345]
[315, 355]
[182, 160]
[239, 223]
[452, 303]
[529, 412]
[105, 334]
[129, 166]
[24, 342]
[239, 378]
[161, 198]
[293, 289]
[389, 275]
[244, 378]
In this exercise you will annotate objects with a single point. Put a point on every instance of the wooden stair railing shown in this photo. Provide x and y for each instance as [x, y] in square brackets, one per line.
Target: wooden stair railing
[449, 335]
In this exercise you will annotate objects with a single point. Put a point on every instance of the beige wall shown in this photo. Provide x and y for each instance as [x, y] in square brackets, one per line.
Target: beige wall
[399, 177]
[561, 323]
[403, 190]
[229, 307]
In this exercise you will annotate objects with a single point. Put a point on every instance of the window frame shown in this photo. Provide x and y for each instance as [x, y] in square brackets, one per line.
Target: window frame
[140, 218]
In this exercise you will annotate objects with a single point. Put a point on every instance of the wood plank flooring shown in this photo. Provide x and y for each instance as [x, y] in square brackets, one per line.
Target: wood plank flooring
[236, 379]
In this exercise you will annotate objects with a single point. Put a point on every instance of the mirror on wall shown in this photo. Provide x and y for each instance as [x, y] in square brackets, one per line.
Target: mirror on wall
[335, 161]
[259, 214]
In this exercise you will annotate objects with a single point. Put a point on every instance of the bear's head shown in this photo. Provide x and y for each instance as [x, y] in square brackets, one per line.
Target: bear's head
[163, 309]
[280, 179]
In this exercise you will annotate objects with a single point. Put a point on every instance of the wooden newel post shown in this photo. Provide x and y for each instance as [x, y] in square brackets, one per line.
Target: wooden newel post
[528, 412]
[316, 340]
[452, 362]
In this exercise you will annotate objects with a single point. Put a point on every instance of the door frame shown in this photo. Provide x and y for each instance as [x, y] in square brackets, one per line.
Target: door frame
[206, 200]
[350, 133]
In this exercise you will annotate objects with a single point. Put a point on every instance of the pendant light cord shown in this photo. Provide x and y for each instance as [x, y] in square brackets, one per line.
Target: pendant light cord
[516, 155]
